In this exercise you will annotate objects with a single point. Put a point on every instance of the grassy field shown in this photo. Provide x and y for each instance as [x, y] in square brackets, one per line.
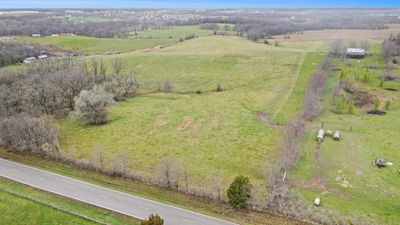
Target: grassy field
[343, 175]
[138, 188]
[172, 32]
[20, 204]
[91, 45]
[208, 132]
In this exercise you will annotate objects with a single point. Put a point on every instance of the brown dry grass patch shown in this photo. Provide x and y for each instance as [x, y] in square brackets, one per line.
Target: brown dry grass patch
[348, 34]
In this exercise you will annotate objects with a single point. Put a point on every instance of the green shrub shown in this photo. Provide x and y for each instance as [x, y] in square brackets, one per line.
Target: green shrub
[219, 87]
[341, 104]
[366, 77]
[352, 108]
[376, 104]
[239, 192]
[388, 105]
[343, 75]
[153, 220]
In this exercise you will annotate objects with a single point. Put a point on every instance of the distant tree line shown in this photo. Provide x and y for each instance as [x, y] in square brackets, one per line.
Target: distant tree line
[28, 25]
[255, 24]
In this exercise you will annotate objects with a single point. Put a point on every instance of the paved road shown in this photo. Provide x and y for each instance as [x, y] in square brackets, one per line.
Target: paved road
[102, 197]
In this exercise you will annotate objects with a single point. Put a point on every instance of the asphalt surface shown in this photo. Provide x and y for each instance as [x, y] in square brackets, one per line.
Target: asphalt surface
[102, 197]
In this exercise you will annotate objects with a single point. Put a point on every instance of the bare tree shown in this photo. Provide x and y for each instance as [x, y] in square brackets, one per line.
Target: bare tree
[27, 134]
[69, 84]
[337, 48]
[98, 157]
[215, 185]
[168, 173]
[103, 70]
[95, 67]
[121, 164]
[117, 66]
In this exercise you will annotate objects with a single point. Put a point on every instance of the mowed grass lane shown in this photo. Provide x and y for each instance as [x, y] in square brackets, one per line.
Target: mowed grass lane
[206, 133]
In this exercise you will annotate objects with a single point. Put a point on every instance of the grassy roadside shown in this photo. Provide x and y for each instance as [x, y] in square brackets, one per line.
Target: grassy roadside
[197, 204]
[21, 204]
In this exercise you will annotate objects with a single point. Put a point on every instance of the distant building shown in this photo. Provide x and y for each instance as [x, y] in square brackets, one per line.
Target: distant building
[355, 53]
[36, 35]
[67, 34]
[29, 59]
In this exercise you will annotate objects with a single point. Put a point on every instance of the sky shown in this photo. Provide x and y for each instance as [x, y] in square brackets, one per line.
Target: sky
[6, 4]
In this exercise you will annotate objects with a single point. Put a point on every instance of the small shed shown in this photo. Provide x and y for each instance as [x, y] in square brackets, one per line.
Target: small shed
[355, 53]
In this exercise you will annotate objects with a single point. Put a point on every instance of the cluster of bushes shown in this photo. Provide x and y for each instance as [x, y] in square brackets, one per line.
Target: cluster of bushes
[29, 134]
[57, 88]
[312, 102]
[188, 37]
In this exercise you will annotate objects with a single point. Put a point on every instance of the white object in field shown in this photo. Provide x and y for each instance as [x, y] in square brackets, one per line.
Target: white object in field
[389, 164]
[320, 135]
[336, 136]
[329, 133]
[317, 201]
[29, 59]
[42, 56]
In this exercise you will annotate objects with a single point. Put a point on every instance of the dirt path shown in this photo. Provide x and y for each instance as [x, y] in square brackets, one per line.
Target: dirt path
[317, 181]
[265, 119]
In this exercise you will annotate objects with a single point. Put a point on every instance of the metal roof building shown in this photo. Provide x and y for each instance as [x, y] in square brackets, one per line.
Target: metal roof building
[355, 53]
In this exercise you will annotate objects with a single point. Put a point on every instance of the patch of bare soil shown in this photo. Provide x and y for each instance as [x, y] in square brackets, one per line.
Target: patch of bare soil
[155, 48]
[363, 99]
[316, 182]
[160, 121]
[196, 126]
[214, 122]
[265, 119]
[186, 122]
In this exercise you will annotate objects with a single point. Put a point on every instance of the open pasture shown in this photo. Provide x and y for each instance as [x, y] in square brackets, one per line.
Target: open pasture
[208, 132]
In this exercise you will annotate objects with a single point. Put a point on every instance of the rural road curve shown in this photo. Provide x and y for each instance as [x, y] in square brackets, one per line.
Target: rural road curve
[102, 197]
